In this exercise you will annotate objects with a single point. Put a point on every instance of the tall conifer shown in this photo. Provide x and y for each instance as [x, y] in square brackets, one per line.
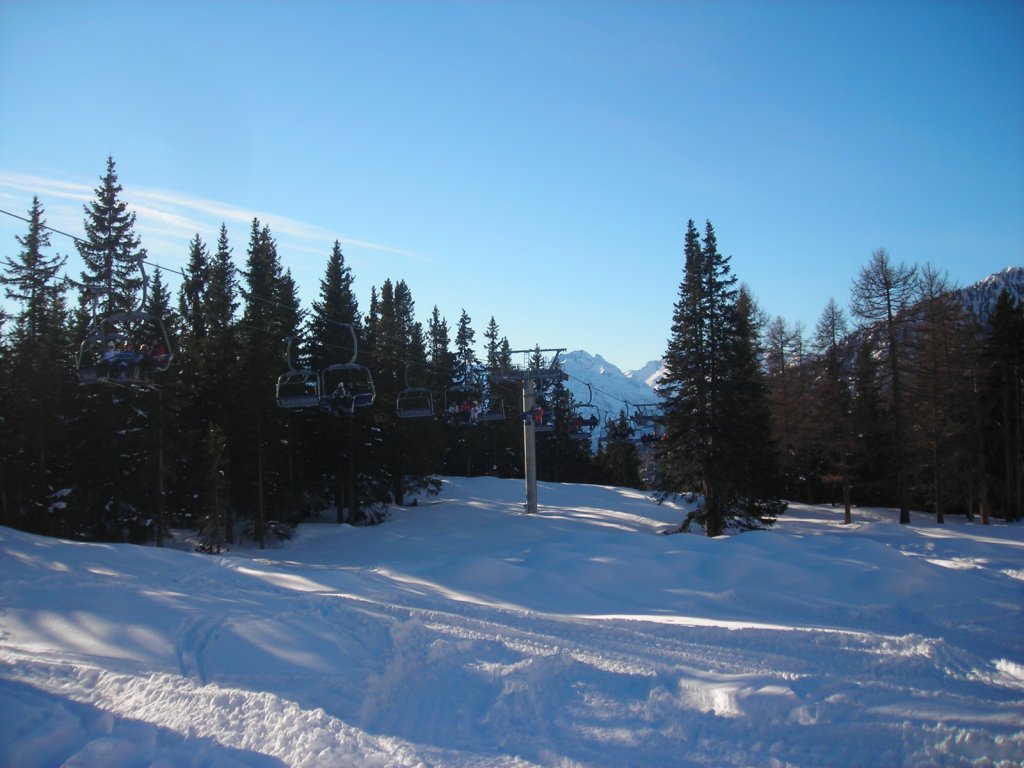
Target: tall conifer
[111, 250]
[718, 445]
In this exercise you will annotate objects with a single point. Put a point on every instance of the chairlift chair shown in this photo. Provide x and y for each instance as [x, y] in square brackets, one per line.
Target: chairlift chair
[645, 415]
[115, 332]
[298, 387]
[547, 420]
[346, 386]
[586, 419]
[458, 404]
[492, 409]
[414, 402]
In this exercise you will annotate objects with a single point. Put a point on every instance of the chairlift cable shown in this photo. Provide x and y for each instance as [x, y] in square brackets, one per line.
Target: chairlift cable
[299, 310]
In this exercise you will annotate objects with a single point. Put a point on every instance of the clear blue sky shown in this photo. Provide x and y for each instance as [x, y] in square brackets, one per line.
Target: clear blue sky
[532, 161]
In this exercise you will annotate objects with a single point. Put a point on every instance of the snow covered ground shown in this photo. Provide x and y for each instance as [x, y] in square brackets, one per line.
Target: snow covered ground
[465, 633]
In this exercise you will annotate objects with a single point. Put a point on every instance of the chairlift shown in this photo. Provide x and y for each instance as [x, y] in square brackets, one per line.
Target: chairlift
[645, 415]
[586, 417]
[108, 353]
[543, 418]
[462, 404]
[347, 386]
[297, 388]
[414, 402]
[492, 409]
[128, 347]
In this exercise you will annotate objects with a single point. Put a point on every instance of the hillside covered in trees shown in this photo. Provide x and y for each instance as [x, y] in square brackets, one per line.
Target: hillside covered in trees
[908, 400]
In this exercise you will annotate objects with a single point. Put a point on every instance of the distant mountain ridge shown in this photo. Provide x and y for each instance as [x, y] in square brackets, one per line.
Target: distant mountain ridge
[610, 389]
[980, 299]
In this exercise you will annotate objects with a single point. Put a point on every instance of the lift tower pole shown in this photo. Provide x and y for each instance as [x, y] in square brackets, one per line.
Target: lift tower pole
[529, 376]
[529, 446]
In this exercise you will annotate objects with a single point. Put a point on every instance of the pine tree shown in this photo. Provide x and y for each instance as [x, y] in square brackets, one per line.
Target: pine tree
[408, 450]
[158, 304]
[1003, 406]
[493, 344]
[711, 390]
[111, 250]
[214, 359]
[36, 391]
[618, 461]
[754, 481]
[439, 349]
[871, 432]
[194, 409]
[831, 402]
[333, 336]
[31, 276]
[257, 433]
[192, 291]
[466, 360]
[336, 308]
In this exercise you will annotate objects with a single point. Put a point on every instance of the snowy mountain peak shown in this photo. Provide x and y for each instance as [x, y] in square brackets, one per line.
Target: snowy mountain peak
[650, 374]
[980, 298]
[594, 379]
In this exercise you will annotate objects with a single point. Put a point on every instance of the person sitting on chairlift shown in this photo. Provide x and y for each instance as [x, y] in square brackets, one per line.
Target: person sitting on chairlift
[156, 355]
[342, 400]
[125, 361]
[105, 364]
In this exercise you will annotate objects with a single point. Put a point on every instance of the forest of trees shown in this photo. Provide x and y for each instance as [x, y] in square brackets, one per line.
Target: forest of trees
[910, 402]
[208, 447]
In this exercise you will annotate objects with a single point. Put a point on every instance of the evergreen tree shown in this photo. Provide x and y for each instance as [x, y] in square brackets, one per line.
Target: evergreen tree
[111, 250]
[216, 356]
[710, 390]
[831, 402]
[158, 304]
[337, 307]
[257, 437]
[31, 277]
[466, 360]
[194, 410]
[870, 429]
[408, 449]
[191, 293]
[109, 431]
[1003, 407]
[754, 481]
[333, 331]
[439, 349]
[36, 389]
[618, 461]
[493, 345]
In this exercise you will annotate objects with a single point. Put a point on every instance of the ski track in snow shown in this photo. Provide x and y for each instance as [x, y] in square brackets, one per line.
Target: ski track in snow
[550, 641]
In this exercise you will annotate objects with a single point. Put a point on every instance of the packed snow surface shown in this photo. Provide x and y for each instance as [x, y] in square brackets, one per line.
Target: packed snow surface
[465, 633]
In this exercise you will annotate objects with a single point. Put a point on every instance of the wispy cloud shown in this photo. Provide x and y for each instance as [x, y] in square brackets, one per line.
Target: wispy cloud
[174, 217]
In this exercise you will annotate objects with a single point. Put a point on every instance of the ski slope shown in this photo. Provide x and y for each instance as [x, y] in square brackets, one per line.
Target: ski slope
[465, 633]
